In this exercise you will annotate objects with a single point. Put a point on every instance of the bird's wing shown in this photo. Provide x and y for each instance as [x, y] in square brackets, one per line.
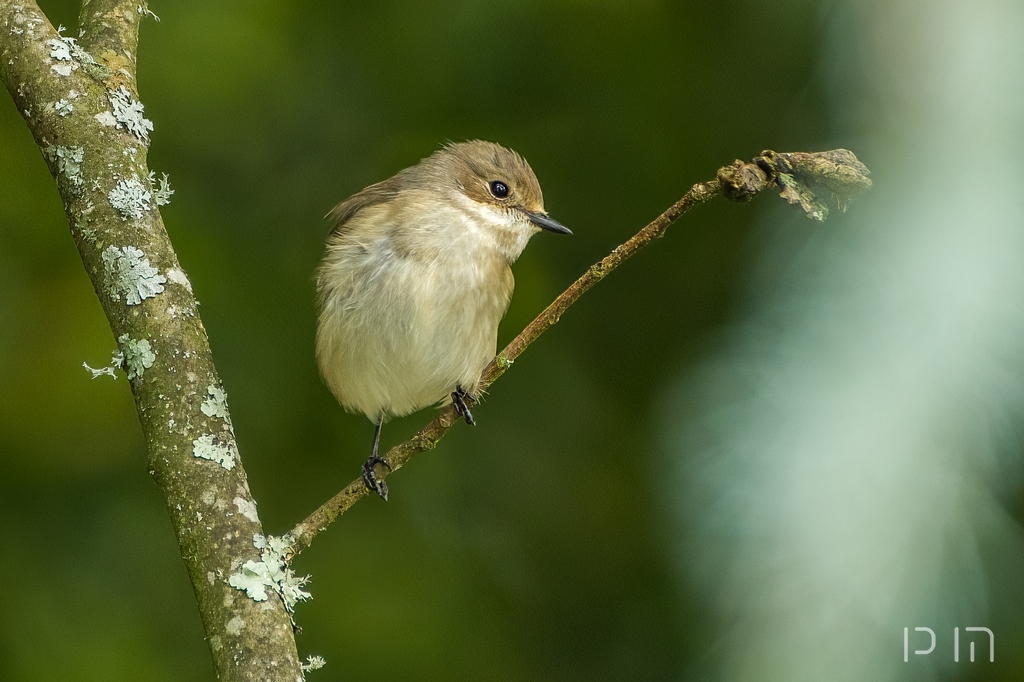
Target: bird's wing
[374, 194]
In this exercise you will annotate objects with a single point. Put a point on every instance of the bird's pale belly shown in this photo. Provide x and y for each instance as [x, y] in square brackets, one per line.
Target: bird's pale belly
[400, 349]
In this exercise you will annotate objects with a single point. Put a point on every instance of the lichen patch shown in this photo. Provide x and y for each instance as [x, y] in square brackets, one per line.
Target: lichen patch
[145, 11]
[68, 55]
[216, 403]
[59, 49]
[128, 113]
[68, 162]
[129, 274]
[212, 448]
[138, 355]
[130, 198]
[116, 363]
[162, 189]
[271, 572]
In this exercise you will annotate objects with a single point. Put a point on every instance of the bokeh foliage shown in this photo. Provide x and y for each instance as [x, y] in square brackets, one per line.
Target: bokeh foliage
[532, 547]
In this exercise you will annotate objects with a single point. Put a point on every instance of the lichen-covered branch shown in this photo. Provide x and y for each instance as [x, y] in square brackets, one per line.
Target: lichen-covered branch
[80, 101]
[796, 175]
[110, 31]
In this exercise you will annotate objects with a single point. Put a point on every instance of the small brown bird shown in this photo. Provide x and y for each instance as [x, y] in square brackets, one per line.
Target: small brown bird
[415, 279]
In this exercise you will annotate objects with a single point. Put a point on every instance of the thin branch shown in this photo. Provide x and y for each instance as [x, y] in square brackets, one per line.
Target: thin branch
[80, 102]
[796, 175]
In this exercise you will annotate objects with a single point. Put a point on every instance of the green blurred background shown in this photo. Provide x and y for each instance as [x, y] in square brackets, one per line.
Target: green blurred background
[539, 545]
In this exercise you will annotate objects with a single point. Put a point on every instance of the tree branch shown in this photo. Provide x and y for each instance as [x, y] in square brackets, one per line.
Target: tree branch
[110, 31]
[797, 176]
[79, 102]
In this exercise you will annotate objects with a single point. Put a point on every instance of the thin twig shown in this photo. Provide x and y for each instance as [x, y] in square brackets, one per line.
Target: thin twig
[797, 175]
[302, 535]
[838, 172]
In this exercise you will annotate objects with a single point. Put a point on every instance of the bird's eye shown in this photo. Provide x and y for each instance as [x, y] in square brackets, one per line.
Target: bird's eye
[499, 189]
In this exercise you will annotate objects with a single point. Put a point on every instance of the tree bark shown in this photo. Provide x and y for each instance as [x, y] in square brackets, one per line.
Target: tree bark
[80, 102]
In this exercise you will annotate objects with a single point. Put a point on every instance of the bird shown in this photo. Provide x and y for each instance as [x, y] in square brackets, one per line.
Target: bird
[415, 277]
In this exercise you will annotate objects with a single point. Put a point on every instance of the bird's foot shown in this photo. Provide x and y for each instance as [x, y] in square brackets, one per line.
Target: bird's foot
[459, 402]
[370, 476]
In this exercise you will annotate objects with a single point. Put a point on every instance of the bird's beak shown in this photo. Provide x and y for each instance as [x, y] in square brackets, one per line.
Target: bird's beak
[543, 221]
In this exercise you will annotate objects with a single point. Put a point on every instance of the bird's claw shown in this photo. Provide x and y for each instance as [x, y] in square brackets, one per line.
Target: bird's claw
[373, 483]
[459, 397]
